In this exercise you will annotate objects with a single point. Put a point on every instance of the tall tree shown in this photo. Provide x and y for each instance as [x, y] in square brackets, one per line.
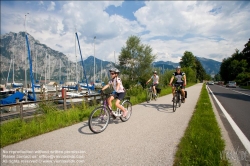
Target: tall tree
[188, 60]
[200, 71]
[135, 60]
[217, 77]
[246, 53]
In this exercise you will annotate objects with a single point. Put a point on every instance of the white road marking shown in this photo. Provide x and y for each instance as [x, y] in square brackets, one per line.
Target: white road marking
[235, 91]
[241, 92]
[237, 130]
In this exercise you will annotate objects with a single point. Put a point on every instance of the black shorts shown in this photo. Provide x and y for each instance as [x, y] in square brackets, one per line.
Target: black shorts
[156, 85]
[179, 83]
[119, 96]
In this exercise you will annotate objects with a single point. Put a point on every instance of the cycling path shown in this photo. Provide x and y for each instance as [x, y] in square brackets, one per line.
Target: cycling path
[149, 137]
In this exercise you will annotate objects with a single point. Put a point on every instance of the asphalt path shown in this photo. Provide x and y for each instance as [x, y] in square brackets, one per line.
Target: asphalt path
[236, 101]
[149, 137]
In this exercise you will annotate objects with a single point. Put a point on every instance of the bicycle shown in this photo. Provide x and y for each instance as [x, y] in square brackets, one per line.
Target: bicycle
[100, 116]
[177, 96]
[150, 94]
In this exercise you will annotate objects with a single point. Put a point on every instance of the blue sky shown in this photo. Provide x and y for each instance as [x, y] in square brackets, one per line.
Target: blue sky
[210, 29]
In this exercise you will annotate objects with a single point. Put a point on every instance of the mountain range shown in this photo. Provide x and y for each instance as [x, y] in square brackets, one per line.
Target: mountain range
[46, 60]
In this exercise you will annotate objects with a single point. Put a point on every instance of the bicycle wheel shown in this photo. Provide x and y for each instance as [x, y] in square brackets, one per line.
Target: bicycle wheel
[179, 99]
[175, 102]
[99, 119]
[149, 95]
[128, 106]
[155, 97]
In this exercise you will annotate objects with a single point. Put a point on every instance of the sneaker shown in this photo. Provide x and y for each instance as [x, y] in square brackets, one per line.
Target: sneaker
[125, 114]
[183, 100]
[172, 99]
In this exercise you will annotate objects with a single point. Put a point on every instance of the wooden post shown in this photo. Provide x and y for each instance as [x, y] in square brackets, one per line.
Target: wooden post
[44, 97]
[17, 106]
[56, 91]
[64, 98]
[41, 89]
[21, 111]
[94, 100]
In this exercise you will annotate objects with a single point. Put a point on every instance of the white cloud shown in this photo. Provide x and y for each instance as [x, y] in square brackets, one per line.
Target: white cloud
[176, 19]
[51, 7]
[40, 2]
[170, 28]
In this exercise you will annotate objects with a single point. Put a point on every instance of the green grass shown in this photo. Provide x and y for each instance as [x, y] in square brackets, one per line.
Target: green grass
[17, 130]
[202, 143]
[245, 87]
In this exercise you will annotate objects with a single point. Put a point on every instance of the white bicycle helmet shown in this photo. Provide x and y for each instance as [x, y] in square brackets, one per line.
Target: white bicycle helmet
[115, 70]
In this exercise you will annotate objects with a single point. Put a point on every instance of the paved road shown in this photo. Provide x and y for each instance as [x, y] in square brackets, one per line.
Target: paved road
[150, 137]
[237, 103]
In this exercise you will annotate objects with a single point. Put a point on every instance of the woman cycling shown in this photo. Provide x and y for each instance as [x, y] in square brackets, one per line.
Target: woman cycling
[155, 78]
[119, 94]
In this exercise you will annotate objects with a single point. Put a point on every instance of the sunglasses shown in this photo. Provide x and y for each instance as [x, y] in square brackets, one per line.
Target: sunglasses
[112, 73]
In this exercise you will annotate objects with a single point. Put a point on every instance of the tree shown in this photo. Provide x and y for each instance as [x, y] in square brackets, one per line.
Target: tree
[224, 70]
[190, 74]
[200, 71]
[246, 53]
[135, 61]
[242, 78]
[188, 60]
[217, 77]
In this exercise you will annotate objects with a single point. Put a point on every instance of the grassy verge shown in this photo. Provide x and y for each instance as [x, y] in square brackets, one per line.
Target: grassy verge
[18, 130]
[245, 87]
[202, 142]
[53, 119]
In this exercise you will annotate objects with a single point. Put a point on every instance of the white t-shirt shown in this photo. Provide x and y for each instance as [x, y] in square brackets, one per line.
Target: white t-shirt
[155, 79]
[114, 83]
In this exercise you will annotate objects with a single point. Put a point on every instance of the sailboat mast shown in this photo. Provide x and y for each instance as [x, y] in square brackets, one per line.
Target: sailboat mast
[76, 61]
[49, 67]
[13, 70]
[60, 71]
[94, 59]
[36, 64]
[45, 68]
[8, 73]
[101, 71]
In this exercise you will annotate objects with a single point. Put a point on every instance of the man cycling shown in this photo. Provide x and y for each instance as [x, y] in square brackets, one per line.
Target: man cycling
[119, 94]
[155, 78]
[180, 78]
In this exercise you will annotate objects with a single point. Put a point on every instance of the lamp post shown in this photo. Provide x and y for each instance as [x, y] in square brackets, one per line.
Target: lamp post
[94, 59]
[25, 61]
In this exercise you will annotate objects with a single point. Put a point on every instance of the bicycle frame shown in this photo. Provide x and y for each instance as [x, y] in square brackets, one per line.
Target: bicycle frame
[150, 94]
[178, 91]
[118, 112]
[99, 118]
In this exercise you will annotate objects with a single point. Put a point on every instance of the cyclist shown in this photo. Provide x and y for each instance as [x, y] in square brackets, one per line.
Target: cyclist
[155, 83]
[180, 79]
[119, 93]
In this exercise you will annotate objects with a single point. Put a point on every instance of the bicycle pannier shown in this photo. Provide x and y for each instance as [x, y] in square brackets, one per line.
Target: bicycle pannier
[158, 90]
